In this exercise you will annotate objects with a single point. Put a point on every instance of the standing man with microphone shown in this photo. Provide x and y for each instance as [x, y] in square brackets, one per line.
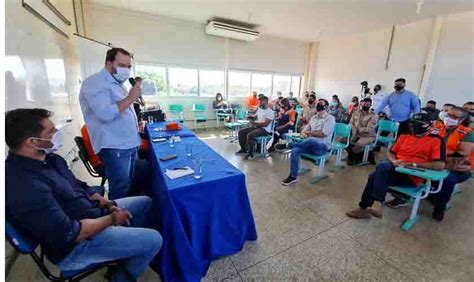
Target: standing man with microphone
[108, 112]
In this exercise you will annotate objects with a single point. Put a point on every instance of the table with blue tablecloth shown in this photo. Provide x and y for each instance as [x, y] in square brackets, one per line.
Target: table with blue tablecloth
[158, 130]
[200, 219]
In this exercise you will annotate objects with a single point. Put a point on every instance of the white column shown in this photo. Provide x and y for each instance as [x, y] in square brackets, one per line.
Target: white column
[309, 73]
[430, 55]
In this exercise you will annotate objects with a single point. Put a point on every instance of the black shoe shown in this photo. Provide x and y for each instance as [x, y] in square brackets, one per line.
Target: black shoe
[280, 147]
[289, 180]
[241, 151]
[396, 203]
[431, 199]
[248, 157]
[371, 158]
[271, 150]
[438, 216]
[350, 162]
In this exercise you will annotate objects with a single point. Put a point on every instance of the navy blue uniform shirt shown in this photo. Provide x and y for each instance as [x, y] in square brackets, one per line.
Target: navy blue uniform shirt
[46, 201]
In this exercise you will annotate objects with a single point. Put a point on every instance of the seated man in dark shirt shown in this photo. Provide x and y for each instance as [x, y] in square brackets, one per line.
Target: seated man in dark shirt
[75, 226]
[418, 149]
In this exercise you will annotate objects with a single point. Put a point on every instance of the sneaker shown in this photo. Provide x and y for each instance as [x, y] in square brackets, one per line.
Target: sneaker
[438, 216]
[248, 157]
[289, 180]
[359, 213]
[396, 203]
[241, 151]
[280, 147]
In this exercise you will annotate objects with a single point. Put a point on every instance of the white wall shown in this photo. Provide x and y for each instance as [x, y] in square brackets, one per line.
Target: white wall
[342, 63]
[160, 40]
[452, 79]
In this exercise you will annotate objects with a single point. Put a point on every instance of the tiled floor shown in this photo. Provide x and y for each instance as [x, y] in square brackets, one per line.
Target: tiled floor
[305, 236]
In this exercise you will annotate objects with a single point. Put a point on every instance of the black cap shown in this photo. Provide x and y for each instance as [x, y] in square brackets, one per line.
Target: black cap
[421, 117]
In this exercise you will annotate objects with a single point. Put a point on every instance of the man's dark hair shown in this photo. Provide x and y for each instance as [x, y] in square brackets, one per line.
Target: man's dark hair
[378, 85]
[401, 79]
[313, 92]
[468, 103]
[312, 96]
[21, 124]
[112, 54]
[367, 100]
[449, 105]
[433, 102]
[355, 97]
[325, 101]
[335, 97]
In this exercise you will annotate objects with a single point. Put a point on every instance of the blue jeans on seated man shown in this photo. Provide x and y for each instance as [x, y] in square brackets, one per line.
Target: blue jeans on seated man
[135, 247]
[444, 196]
[308, 146]
[379, 181]
[119, 169]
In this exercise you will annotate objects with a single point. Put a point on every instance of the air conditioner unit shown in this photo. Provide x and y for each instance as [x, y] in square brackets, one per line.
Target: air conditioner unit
[231, 31]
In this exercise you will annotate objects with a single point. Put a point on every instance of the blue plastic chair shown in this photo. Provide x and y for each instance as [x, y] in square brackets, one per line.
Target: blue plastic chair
[235, 125]
[265, 142]
[221, 115]
[342, 131]
[176, 113]
[383, 126]
[420, 192]
[24, 245]
[199, 114]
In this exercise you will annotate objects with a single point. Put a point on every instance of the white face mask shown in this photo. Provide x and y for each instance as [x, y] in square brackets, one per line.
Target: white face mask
[57, 140]
[442, 115]
[122, 74]
[450, 122]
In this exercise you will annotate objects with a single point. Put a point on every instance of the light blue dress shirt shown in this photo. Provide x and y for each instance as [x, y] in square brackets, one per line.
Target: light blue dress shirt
[401, 105]
[107, 127]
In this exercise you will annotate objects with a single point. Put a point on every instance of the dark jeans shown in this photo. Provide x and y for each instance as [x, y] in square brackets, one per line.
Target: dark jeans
[377, 185]
[120, 169]
[278, 134]
[247, 138]
[444, 196]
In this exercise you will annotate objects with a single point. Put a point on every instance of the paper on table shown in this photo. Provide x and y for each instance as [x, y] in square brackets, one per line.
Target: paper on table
[177, 173]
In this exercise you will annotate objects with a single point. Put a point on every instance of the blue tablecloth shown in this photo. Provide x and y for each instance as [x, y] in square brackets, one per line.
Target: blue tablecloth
[200, 220]
[157, 130]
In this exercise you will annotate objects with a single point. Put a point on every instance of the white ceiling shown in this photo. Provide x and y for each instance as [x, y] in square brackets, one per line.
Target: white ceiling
[302, 20]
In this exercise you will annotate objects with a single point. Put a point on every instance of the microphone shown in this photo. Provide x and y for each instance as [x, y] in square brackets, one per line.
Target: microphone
[132, 80]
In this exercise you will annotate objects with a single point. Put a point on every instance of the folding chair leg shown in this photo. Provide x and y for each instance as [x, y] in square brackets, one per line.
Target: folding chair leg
[365, 159]
[321, 175]
[339, 165]
[409, 222]
[302, 169]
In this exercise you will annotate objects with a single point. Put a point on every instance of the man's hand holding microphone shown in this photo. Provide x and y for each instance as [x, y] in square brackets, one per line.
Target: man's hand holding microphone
[133, 95]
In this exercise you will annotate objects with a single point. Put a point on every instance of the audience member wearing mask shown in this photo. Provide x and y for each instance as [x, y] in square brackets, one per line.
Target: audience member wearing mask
[431, 110]
[354, 105]
[363, 123]
[262, 127]
[308, 111]
[74, 224]
[252, 102]
[220, 105]
[293, 101]
[108, 112]
[317, 134]
[444, 111]
[469, 107]
[417, 149]
[459, 141]
[402, 104]
[335, 109]
[285, 120]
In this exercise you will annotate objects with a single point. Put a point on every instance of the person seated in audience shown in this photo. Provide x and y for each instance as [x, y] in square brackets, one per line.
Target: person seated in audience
[363, 123]
[308, 111]
[317, 134]
[293, 101]
[261, 127]
[418, 149]
[336, 109]
[469, 107]
[220, 105]
[75, 226]
[285, 120]
[444, 111]
[252, 102]
[353, 105]
[275, 103]
[431, 109]
[459, 141]
[305, 99]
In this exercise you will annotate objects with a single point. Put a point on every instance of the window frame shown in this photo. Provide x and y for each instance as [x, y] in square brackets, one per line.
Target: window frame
[224, 90]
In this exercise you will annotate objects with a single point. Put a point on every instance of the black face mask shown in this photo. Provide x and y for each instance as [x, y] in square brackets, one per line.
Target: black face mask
[320, 107]
[471, 114]
[310, 101]
[420, 128]
[398, 87]
[365, 108]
